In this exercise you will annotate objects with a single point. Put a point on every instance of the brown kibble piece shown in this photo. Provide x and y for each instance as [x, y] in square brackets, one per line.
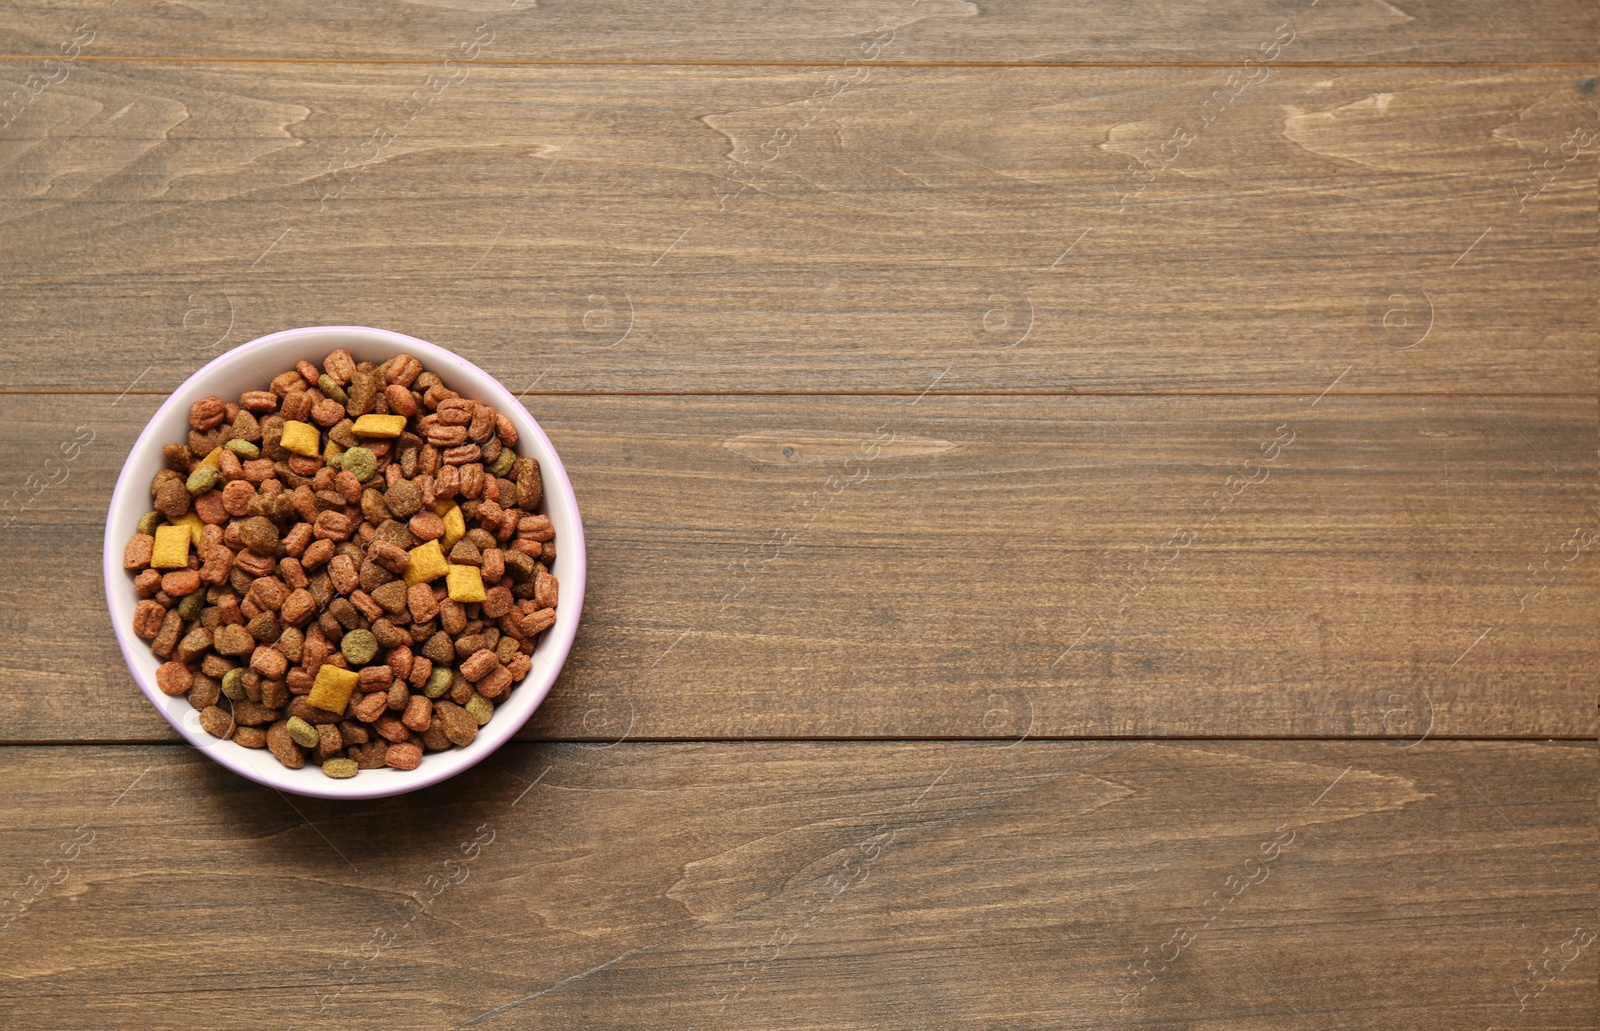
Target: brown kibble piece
[147, 618]
[180, 582]
[404, 756]
[269, 662]
[216, 722]
[401, 401]
[310, 713]
[476, 666]
[530, 487]
[497, 602]
[427, 526]
[174, 678]
[259, 535]
[372, 706]
[342, 571]
[391, 557]
[423, 605]
[283, 747]
[458, 724]
[298, 608]
[136, 555]
[496, 684]
[390, 727]
[340, 366]
[207, 413]
[250, 737]
[439, 649]
[418, 713]
[172, 500]
[253, 714]
[403, 499]
[167, 637]
[233, 640]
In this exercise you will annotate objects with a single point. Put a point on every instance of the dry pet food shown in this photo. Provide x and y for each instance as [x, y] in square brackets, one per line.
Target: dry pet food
[348, 567]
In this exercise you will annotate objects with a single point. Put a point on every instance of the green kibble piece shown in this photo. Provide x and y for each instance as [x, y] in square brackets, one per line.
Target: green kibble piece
[203, 479]
[304, 734]
[359, 646]
[438, 682]
[326, 384]
[479, 708]
[360, 463]
[191, 604]
[340, 769]
[233, 684]
[333, 459]
[503, 462]
[149, 521]
[243, 448]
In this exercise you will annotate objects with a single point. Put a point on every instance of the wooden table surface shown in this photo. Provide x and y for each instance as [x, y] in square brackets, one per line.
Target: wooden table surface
[1209, 641]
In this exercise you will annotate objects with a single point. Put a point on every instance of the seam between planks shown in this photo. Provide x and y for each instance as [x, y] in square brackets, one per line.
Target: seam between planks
[667, 63]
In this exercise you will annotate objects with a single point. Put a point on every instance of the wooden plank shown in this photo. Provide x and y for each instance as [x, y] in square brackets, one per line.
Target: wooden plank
[993, 566]
[835, 886]
[1010, 230]
[1011, 31]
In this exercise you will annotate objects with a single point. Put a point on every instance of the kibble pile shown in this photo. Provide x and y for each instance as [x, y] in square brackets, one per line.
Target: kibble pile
[349, 566]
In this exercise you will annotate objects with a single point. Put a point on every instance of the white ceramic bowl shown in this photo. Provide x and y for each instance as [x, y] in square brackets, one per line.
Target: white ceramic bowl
[249, 367]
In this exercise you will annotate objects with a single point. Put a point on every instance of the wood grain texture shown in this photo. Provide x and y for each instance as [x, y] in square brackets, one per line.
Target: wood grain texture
[837, 886]
[833, 31]
[711, 230]
[982, 566]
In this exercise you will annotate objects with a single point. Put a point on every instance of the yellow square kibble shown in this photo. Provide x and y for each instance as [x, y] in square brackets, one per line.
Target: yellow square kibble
[465, 583]
[455, 526]
[212, 458]
[194, 525]
[172, 548]
[302, 438]
[331, 690]
[427, 563]
[379, 426]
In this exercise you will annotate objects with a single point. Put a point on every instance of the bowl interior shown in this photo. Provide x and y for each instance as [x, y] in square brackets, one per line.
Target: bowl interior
[250, 367]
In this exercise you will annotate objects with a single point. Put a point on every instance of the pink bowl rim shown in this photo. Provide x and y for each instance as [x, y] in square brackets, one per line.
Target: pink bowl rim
[527, 696]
